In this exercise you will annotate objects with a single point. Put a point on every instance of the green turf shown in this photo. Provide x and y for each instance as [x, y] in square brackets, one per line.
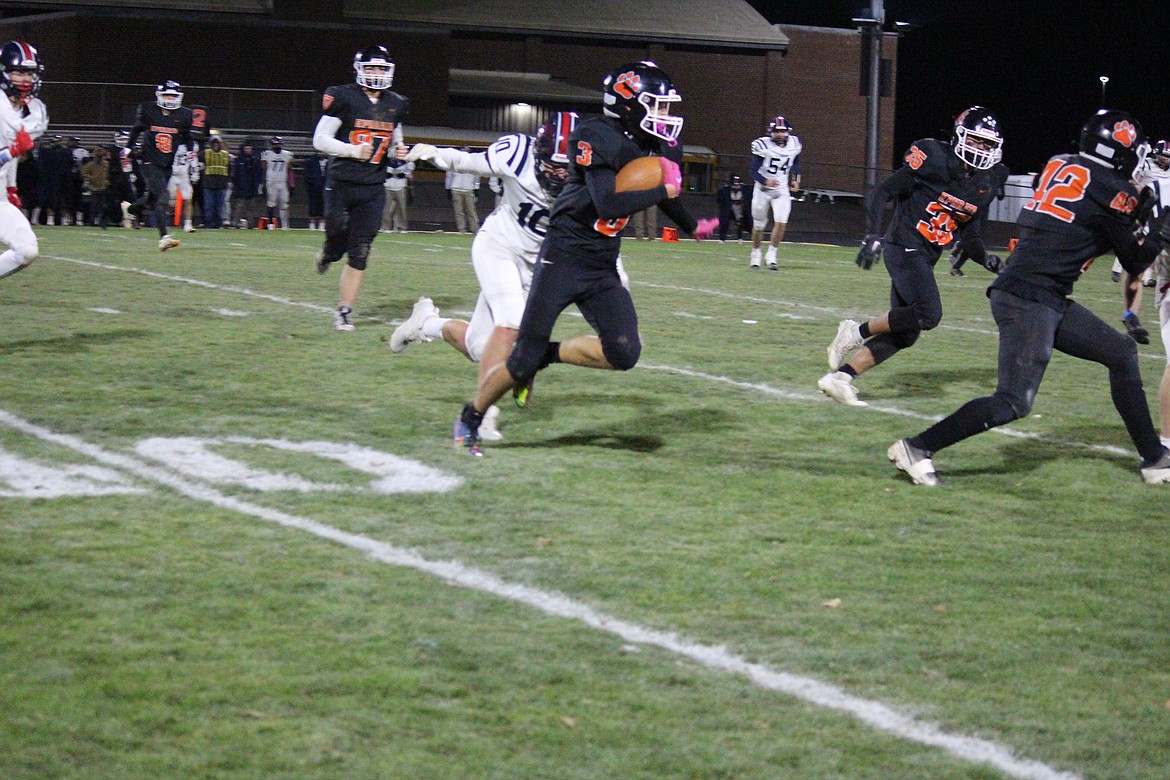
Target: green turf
[710, 491]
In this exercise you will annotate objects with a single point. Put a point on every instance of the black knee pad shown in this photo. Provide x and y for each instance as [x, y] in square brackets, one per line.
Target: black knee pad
[358, 256]
[1009, 407]
[622, 353]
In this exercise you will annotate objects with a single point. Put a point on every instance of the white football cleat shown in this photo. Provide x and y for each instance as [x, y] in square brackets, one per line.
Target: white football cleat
[770, 259]
[489, 429]
[916, 463]
[839, 386]
[411, 331]
[755, 263]
[848, 338]
[1158, 472]
[341, 319]
[166, 242]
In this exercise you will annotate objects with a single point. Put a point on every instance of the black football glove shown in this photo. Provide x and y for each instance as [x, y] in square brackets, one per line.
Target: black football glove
[870, 251]
[993, 263]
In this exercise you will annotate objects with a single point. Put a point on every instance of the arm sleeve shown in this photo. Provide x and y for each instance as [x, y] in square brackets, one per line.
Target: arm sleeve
[457, 161]
[795, 172]
[614, 205]
[897, 183]
[136, 129]
[324, 140]
[678, 212]
[754, 170]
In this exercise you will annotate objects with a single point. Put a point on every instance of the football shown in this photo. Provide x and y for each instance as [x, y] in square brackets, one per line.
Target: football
[644, 173]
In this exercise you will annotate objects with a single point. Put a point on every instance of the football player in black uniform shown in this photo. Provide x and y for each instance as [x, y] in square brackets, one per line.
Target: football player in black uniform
[942, 192]
[1084, 207]
[164, 126]
[361, 127]
[578, 259]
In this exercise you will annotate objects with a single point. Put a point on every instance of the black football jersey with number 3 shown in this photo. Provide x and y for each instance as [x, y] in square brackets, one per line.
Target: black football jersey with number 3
[1081, 210]
[599, 142]
[937, 197]
[363, 121]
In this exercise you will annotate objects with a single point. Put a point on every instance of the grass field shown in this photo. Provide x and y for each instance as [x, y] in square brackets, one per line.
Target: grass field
[237, 544]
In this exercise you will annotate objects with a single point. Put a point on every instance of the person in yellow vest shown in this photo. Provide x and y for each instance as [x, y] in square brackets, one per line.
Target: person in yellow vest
[215, 184]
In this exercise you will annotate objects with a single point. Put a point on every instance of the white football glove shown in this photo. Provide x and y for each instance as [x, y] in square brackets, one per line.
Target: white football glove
[421, 152]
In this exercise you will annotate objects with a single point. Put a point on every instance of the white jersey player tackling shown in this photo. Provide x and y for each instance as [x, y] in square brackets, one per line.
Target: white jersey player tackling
[532, 172]
[1154, 175]
[23, 117]
[775, 169]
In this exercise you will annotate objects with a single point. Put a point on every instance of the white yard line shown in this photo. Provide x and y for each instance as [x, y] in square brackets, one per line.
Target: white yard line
[879, 716]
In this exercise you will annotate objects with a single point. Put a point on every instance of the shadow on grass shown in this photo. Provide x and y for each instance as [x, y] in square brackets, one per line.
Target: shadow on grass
[642, 433]
[72, 343]
[932, 384]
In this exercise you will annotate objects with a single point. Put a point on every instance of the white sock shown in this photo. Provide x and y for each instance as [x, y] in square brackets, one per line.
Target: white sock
[433, 327]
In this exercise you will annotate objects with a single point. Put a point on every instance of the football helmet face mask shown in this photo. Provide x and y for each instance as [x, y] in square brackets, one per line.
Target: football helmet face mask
[779, 129]
[373, 68]
[1114, 139]
[169, 95]
[552, 151]
[639, 95]
[121, 138]
[977, 140]
[1161, 155]
[276, 142]
[20, 70]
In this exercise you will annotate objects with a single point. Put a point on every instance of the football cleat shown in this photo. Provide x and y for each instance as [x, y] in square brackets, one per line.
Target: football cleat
[915, 462]
[166, 242]
[411, 331]
[321, 264]
[489, 429]
[1158, 472]
[956, 271]
[341, 318]
[770, 259]
[522, 394]
[466, 430]
[1133, 326]
[839, 386]
[848, 338]
[755, 263]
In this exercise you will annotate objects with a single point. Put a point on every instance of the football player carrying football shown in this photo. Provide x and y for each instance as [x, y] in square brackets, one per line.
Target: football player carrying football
[360, 127]
[775, 169]
[1084, 207]
[164, 126]
[577, 263]
[941, 191]
[532, 172]
[23, 117]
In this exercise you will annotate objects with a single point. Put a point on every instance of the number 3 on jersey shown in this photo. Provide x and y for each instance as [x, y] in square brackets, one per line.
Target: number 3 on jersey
[372, 137]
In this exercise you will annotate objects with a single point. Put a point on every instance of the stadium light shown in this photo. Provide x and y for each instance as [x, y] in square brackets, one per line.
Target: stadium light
[1104, 81]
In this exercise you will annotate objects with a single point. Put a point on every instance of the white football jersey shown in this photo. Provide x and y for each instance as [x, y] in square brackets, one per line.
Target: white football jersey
[521, 219]
[777, 160]
[276, 165]
[11, 119]
[1158, 180]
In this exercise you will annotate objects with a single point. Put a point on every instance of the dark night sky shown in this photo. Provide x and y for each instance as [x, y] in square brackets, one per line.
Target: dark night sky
[1036, 64]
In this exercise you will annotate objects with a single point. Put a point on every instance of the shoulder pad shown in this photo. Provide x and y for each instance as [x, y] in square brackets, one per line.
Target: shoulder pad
[760, 145]
[928, 159]
[603, 139]
[509, 153]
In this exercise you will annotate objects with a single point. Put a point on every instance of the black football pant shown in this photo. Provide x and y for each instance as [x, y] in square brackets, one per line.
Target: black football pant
[591, 282]
[915, 304]
[156, 196]
[353, 216]
[1028, 332]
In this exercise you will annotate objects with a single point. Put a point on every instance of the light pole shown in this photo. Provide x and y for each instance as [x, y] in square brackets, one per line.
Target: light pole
[871, 28]
[1104, 81]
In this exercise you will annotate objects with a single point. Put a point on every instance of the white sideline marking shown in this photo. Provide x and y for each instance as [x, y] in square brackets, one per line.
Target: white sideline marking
[104, 310]
[232, 313]
[876, 714]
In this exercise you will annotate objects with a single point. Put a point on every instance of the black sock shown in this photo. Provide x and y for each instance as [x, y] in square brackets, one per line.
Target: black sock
[847, 369]
[863, 329]
[471, 417]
